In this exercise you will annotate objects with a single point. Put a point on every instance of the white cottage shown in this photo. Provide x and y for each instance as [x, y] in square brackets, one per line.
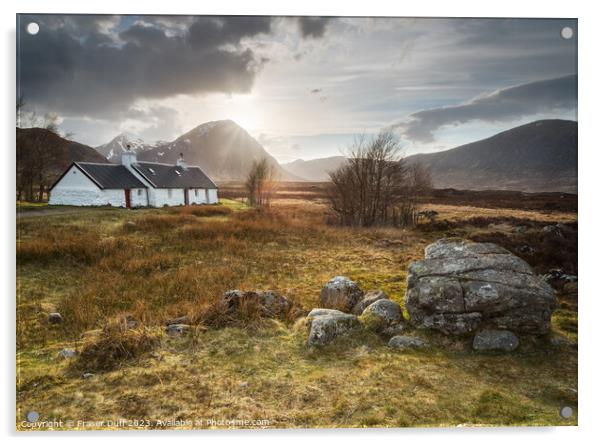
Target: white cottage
[133, 184]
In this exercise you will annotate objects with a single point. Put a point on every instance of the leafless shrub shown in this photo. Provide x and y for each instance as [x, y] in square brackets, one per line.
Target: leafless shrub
[261, 183]
[375, 186]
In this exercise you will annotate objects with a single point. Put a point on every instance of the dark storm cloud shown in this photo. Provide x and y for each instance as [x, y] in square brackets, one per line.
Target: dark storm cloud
[558, 94]
[313, 27]
[99, 64]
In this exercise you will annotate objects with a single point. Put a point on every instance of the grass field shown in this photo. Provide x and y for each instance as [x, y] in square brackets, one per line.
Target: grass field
[97, 266]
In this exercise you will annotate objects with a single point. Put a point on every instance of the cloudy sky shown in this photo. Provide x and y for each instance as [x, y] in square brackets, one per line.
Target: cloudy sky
[304, 87]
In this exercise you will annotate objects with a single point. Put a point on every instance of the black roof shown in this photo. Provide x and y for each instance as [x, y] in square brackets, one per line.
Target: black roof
[107, 176]
[174, 176]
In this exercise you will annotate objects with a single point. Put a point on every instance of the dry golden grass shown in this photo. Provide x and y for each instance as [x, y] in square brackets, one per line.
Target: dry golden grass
[156, 265]
[114, 345]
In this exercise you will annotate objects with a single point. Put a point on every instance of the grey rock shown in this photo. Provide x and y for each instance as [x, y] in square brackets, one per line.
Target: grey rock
[317, 312]
[87, 375]
[555, 230]
[340, 293]
[131, 322]
[324, 329]
[452, 324]
[555, 276]
[55, 318]
[461, 284]
[270, 303]
[494, 340]
[406, 342]
[367, 300]
[526, 249]
[179, 320]
[176, 330]
[381, 314]
[394, 329]
[67, 353]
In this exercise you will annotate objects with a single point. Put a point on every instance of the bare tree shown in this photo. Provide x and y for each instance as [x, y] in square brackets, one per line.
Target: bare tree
[421, 181]
[374, 185]
[261, 183]
[35, 160]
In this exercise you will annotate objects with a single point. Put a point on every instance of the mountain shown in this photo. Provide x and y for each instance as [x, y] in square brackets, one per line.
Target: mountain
[315, 169]
[112, 150]
[223, 149]
[536, 157]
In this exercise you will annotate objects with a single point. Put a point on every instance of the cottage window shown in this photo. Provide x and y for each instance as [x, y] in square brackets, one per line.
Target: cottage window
[196, 192]
[139, 192]
[169, 193]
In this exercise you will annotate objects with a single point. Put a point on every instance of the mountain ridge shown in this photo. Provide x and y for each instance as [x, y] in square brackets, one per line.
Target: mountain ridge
[539, 156]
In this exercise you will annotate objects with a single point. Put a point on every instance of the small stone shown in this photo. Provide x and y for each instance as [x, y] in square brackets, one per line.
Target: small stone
[394, 329]
[402, 342]
[243, 385]
[131, 322]
[87, 375]
[55, 318]
[176, 330]
[67, 353]
[526, 249]
[494, 340]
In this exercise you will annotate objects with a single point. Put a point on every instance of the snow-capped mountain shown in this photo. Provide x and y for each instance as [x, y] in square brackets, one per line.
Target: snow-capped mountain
[112, 150]
[222, 148]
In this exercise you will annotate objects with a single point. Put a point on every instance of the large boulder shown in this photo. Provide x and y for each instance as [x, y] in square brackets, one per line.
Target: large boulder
[340, 293]
[367, 300]
[462, 285]
[381, 314]
[326, 325]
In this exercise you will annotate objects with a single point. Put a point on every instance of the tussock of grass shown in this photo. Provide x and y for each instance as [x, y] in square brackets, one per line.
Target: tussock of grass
[116, 344]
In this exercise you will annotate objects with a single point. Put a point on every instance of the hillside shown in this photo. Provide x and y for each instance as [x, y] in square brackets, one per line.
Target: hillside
[223, 149]
[315, 170]
[536, 157]
[59, 151]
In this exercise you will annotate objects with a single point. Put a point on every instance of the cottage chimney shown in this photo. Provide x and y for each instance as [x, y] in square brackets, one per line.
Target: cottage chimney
[128, 157]
[180, 162]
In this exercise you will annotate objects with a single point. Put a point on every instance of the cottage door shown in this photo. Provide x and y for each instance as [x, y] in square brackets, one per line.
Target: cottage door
[185, 197]
[128, 198]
